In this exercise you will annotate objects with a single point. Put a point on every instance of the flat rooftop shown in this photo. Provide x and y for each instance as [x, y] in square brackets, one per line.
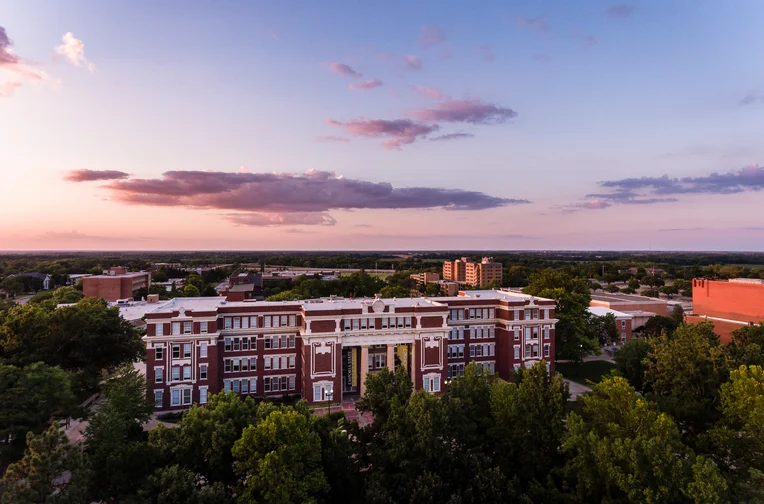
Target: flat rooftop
[601, 311]
[123, 275]
[625, 298]
[504, 295]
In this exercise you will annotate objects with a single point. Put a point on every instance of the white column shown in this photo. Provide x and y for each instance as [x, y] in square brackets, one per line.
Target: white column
[391, 357]
[364, 364]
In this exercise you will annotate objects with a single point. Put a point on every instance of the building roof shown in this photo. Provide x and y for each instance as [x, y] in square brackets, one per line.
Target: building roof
[247, 287]
[123, 275]
[601, 311]
[504, 295]
[625, 298]
[136, 310]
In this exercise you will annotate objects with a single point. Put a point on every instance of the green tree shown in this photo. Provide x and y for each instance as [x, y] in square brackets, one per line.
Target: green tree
[634, 284]
[657, 325]
[191, 290]
[737, 441]
[280, 460]
[630, 361]
[528, 424]
[677, 315]
[396, 291]
[203, 441]
[747, 346]
[604, 329]
[384, 391]
[114, 439]
[572, 335]
[431, 289]
[29, 398]
[684, 372]
[175, 485]
[52, 471]
[669, 290]
[623, 450]
[612, 288]
[339, 459]
[195, 280]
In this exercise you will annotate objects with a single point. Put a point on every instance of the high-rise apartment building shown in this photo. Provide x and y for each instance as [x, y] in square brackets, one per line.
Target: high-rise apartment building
[324, 349]
[471, 273]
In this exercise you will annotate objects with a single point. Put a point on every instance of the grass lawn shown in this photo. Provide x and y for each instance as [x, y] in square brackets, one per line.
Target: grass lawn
[580, 373]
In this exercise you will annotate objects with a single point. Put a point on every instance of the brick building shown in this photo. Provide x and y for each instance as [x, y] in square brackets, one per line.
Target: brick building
[323, 349]
[425, 278]
[641, 308]
[116, 283]
[623, 321]
[728, 304]
[471, 273]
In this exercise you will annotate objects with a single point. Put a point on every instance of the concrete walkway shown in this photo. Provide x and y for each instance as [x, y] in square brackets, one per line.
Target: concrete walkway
[576, 389]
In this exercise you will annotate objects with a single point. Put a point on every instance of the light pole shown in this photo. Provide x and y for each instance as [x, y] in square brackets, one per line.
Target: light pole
[329, 396]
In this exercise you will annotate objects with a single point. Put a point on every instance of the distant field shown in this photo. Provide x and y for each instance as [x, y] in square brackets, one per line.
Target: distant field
[586, 371]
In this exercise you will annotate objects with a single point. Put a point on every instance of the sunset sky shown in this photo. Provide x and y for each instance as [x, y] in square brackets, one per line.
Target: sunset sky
[254, 125]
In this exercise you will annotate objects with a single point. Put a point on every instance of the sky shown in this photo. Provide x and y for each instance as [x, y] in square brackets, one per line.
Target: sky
[396, 125]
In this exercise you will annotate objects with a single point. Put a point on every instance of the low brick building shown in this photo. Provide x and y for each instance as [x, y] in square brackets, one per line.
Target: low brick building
[729, 304]
[623, 321]
[115, 284]
[323, 349]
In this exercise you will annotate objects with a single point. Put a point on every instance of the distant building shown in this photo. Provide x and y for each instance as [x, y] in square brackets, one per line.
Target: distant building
[425, 278]
[622, 321]
[47, 280]
[641, 308]
[115, 284]
[449, 288]
[728, 304]
[471, 273]
[72, 278]
[323, 349]
[242, 286]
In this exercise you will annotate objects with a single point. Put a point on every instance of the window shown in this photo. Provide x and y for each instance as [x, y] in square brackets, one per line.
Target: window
[291, 383]
[253, 363]
[235, 365]
[245, 364]
[623, 324]
[237, 322]
[546, 349]
[203, 326]
[527, 333]
[432, 383]
[176, 327]
[408, 321]
[245, 343]
[187, 327]
[253, 321]
[546, 333]
[159, 353]
[253, 342]
[245, 322]
[527, 351]
[228, 344]
[461, 314]
[158, 373]
[623, 337]
[158, 329]
[245, 386]
[356, 324]
[381, 360]
[472, 313]
[252, 385]
[202, 350]
[175, 373]
[157, 398]
[187, 350]
[186, 372]
[236, 344]
[227, 386]
[202, 395]
[187, 396]
[235, 386]
[472, 350]
[517, 351]
[291, 341]
[228, 323]
[284, 320]
[227, 365]
[346, 324]
[175, 398]
[283, 383]
[517, 333]
[363, 323]
[176, 351]
[291, 361]
[266, 384]
[203, 372]
[267, 343]
[292, 321]
[491, 313]
[267, 321]
[267, 361]
[527, 314]
[535, 350]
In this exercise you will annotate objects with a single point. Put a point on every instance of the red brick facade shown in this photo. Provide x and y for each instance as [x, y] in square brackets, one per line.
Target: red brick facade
[324, 349]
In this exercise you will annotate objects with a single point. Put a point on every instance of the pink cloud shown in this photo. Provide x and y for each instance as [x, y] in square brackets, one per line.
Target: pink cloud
[272, 199]
[537, 23]
[431, 36]
[21, 71]
[73, 50]
[92, 175]
[7, 57]
[281, 219]
[429, 92]
[344, 69]
[412, 62]
[329, 138]
[451, 136]
[365, 85]
[400, 131]
[472, 111]
[487, 52]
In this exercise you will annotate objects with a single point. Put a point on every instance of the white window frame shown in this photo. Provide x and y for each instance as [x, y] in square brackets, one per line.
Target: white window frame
[188, 350]
[158, 398]
[202, 395]
[173, 402]
[188, 327]
[159, 329]
[203, 349]
[202, 371]
[159, 374]
[186, 373]
[175, 328]
[176, 371]
[203, 326]
[159, 353]
[184, 393]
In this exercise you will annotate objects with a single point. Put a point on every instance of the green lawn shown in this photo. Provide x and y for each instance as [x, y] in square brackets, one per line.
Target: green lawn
[580, 373]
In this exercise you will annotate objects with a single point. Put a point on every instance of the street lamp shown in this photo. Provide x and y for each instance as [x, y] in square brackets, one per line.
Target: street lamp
[329, 396]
